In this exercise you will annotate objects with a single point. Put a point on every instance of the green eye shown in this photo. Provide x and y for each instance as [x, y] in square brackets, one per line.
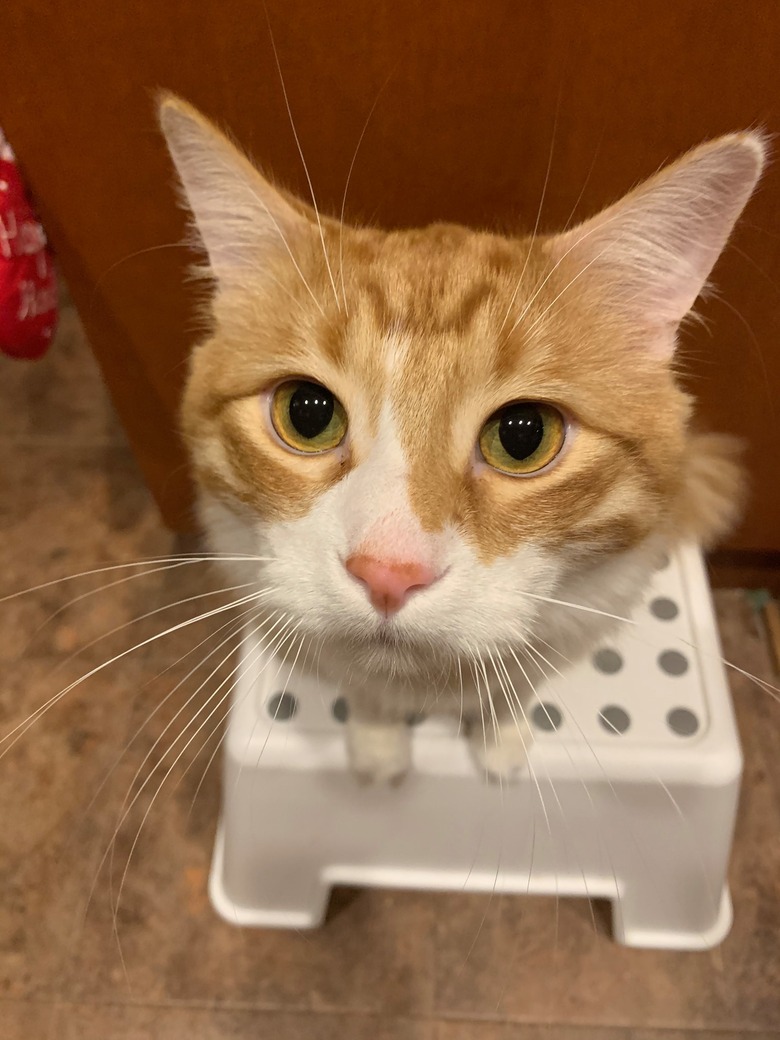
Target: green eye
[307, 416]
[523, 437]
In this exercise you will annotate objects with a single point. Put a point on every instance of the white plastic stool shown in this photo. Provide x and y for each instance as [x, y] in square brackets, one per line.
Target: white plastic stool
[637, 765]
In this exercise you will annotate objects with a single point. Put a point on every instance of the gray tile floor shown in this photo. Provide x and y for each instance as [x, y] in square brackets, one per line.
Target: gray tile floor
[387, 965]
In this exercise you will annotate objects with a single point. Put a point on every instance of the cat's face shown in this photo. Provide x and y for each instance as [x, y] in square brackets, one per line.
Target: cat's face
[425, 431]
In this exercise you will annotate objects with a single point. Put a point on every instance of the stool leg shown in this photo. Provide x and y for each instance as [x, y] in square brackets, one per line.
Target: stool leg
[681, 915]
[293, 892]
[672, 872]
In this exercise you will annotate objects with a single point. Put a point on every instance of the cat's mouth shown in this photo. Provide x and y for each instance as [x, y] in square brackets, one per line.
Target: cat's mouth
[393, 638]
[388, 634]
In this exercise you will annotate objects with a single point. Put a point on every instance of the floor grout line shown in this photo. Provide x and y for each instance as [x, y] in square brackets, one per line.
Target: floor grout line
[426, 1018]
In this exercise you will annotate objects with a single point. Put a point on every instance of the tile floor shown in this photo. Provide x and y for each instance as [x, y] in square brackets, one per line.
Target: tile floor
[387, 965]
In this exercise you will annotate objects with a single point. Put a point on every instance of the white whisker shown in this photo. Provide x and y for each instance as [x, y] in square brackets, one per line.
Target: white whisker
[173, 765]
[556, 265]
[184, 558]
[187, 703]
[235, 624]
[303, 161]
[346, 189]
[576, 606]
[99, 668]
[536, 226]
[151, 613]
[290, 253]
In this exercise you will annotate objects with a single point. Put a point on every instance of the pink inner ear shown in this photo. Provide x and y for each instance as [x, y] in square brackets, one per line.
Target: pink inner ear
[240, 217]
[654, 250]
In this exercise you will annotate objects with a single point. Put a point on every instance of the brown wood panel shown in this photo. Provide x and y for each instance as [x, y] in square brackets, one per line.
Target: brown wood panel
[473, 101]
[744, 570]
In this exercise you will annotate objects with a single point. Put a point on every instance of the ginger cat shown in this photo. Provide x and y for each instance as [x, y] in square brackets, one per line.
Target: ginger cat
[444, 451]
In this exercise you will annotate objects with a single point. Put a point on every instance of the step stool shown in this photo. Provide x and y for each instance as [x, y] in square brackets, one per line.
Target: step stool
[631, 796]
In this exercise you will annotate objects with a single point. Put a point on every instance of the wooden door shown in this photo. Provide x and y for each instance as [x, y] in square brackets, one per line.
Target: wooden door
[468, 105]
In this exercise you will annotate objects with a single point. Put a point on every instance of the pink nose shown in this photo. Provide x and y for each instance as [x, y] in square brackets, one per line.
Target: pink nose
[389, 584]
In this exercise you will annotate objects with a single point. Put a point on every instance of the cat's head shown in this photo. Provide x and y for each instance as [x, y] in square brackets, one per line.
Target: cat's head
[424, 430]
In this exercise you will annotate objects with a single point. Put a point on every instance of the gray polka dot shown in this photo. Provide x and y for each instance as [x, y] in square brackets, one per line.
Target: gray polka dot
[340, 709]
[673, 662]
[662, 562]
[547, 717]
[282, 707]
[683, 722]
[614, 719]
[607, 661]
[664, 609]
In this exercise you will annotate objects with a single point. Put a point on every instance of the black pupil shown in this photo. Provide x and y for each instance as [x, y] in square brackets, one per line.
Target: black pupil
[311, 409]
[521, 430]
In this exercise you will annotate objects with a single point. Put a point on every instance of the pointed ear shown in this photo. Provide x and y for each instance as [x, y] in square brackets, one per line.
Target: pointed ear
[652, 252]
[241, 219]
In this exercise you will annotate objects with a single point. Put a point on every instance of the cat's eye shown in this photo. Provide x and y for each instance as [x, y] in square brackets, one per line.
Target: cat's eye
[307, 416]
[523, 437]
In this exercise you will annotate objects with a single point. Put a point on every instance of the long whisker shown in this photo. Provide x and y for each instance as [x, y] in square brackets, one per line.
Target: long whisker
[576, 606]
[534, 691]
[557, 264]
[183, 558]
[99, 668]
[290, 253]
[767, 687]
[509, 700]
[303, 161]
[224, 719]
[460, 687]
[42, 709]
[510, 694]
[283, 637]
[124, 809]
[115, 903]
[161, 785]
[235, 625]
[169, 725]
[538, 219]
[497, 738]
[585, 182]
[143, 617]
[346, 189]
[127, 806]
[571, 715]
[475, 672]
[103, 588]
[125, 259]
[583, 270]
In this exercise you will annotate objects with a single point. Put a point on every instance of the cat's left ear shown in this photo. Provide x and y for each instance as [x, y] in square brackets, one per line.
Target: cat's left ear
[242, 220]
[650, 254]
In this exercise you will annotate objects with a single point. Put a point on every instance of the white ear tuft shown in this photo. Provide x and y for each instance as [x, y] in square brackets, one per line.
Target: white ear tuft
[654, 249]
[240, 217]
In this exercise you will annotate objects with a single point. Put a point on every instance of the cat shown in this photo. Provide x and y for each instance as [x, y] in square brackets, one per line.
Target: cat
[445, 451]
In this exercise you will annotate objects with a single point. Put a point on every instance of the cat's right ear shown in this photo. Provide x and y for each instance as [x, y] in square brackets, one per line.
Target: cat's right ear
[240, 217]
[650, 254]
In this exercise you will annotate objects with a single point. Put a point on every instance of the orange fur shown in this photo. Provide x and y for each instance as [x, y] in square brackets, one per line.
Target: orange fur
[423, 336]
[474, 320]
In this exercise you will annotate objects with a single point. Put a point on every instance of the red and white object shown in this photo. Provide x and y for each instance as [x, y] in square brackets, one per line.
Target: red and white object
[28, 285]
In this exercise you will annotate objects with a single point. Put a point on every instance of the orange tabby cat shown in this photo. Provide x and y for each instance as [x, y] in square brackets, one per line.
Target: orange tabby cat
[435, 442]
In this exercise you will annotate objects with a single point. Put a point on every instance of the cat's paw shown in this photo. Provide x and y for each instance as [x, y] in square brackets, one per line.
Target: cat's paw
[379, 753]
[502, 755]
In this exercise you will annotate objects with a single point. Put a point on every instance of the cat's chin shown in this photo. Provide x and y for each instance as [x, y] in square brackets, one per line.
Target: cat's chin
[394, 648]
[387, 651]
